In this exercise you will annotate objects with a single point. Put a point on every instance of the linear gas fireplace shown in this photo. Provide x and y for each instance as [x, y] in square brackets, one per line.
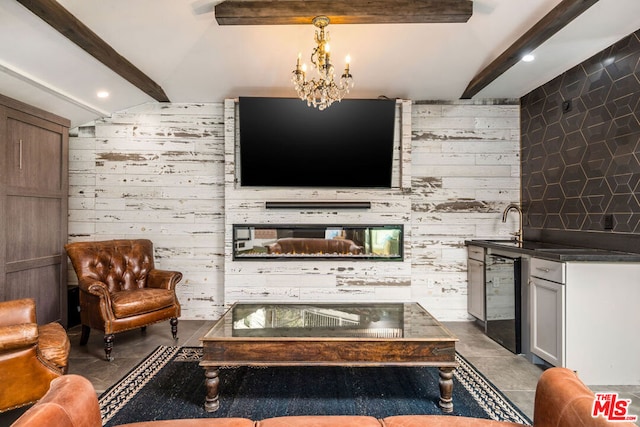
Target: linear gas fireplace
[318, 242]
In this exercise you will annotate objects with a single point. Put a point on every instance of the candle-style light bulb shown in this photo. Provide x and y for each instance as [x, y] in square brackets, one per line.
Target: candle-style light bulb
[299, 57]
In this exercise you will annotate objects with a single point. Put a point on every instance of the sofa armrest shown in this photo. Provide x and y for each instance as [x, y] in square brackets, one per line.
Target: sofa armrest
[163, 279]
[274, 248]
[18, 336]
[562, 399]
[70, 402]
[355, 249]
[15, 312]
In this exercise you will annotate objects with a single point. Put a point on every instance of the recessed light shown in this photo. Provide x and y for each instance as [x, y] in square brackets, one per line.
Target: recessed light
[102, 94]
[528, 57]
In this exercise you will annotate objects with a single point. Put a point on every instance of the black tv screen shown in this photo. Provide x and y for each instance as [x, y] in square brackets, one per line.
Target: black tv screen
[285, 143]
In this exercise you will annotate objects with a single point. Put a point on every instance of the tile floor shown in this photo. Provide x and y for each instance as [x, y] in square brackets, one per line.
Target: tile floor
[512, 374]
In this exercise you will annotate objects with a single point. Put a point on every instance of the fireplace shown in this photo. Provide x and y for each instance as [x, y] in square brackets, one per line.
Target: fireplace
[318, 242]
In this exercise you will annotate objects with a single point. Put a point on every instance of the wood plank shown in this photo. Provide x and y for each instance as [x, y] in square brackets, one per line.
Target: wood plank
[275, 12]
[69, 26]
[565, 12]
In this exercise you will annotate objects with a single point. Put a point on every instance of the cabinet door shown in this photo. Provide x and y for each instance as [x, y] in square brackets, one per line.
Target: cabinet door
[35, 155]
[34, 213]
[475, 288]
[547, 320]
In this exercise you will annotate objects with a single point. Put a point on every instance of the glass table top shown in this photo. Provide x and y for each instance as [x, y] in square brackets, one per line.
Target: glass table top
[396, 321]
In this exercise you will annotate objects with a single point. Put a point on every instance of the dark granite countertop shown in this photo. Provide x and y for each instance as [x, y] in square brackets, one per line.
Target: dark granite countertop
[555, 252]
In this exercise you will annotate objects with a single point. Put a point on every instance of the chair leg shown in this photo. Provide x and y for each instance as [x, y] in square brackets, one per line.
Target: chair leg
[108, 346]
[84, 336]
[174, 327]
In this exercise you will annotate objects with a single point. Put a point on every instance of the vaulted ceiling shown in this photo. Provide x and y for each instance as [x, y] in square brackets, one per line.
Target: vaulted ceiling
[202, 51]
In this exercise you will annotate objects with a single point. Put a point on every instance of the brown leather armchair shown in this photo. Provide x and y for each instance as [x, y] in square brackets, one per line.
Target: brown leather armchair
[31, 356]
[120, 288]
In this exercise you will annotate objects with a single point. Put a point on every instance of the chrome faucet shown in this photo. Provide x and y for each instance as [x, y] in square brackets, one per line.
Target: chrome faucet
[518, 234]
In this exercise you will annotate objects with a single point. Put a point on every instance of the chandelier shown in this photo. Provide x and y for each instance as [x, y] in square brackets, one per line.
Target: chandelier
[324, 91]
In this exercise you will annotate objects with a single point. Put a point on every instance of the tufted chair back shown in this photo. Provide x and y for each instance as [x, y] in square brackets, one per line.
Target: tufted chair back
[121, 264]
[120, 288]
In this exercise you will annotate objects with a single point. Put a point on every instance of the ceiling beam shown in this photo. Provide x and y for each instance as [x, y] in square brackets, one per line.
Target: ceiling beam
[565, 12]
[69, 26]
[285, 12]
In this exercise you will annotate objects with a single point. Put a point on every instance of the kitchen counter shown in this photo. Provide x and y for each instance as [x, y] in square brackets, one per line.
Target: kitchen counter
[556, 252]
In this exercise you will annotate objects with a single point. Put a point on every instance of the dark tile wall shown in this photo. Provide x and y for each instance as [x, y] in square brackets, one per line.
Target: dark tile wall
[581, 146]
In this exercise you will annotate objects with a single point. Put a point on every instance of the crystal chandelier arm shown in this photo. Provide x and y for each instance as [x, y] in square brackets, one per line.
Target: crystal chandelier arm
[323, 92]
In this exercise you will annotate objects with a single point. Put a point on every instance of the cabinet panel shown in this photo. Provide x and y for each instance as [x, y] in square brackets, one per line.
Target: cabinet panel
[40, 283]
[475, 288]
[34, 156]
[33, 227]
[475, 252]
[547, 320]
[548, 270]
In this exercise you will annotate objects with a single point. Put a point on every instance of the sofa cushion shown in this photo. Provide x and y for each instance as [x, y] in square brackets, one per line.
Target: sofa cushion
[442, 421]
[196, 422]
[139, 301]
[320, 421]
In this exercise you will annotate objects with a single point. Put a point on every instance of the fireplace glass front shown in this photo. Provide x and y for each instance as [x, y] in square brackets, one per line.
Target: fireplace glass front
[335, 242]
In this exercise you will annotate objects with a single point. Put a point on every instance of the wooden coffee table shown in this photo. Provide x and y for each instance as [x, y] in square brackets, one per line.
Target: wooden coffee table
[360, 334]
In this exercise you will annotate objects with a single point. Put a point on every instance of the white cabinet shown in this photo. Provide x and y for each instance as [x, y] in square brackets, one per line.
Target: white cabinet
[547, 320]
[584, 316]
[475, 282]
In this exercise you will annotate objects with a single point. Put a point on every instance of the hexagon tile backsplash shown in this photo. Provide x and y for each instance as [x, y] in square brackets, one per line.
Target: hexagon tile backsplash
[581, 145]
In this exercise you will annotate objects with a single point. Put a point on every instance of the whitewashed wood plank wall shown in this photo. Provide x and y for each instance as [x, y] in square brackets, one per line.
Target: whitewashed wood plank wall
[167, 172]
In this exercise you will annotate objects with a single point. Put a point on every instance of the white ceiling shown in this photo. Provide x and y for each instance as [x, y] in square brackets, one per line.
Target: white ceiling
[180, 46]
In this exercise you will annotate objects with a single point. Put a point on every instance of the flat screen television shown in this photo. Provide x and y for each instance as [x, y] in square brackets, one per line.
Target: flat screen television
[285, 143]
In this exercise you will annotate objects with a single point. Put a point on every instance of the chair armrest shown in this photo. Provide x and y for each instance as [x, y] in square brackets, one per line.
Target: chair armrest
[97, 288]
[18, 336]
[163, 279]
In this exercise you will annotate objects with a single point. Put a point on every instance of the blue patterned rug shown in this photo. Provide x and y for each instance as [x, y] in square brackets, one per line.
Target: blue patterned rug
[169, 384]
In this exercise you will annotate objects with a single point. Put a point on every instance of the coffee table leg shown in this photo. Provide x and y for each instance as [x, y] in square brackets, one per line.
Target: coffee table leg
[212, 382]
[446, 389]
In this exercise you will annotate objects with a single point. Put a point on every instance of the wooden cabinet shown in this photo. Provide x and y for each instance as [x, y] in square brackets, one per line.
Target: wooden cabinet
[584, 316]
[33, 207]
[475, 282]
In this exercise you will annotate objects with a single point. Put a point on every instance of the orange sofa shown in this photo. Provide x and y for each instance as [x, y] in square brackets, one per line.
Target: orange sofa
[562, 400]
[313, 246]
